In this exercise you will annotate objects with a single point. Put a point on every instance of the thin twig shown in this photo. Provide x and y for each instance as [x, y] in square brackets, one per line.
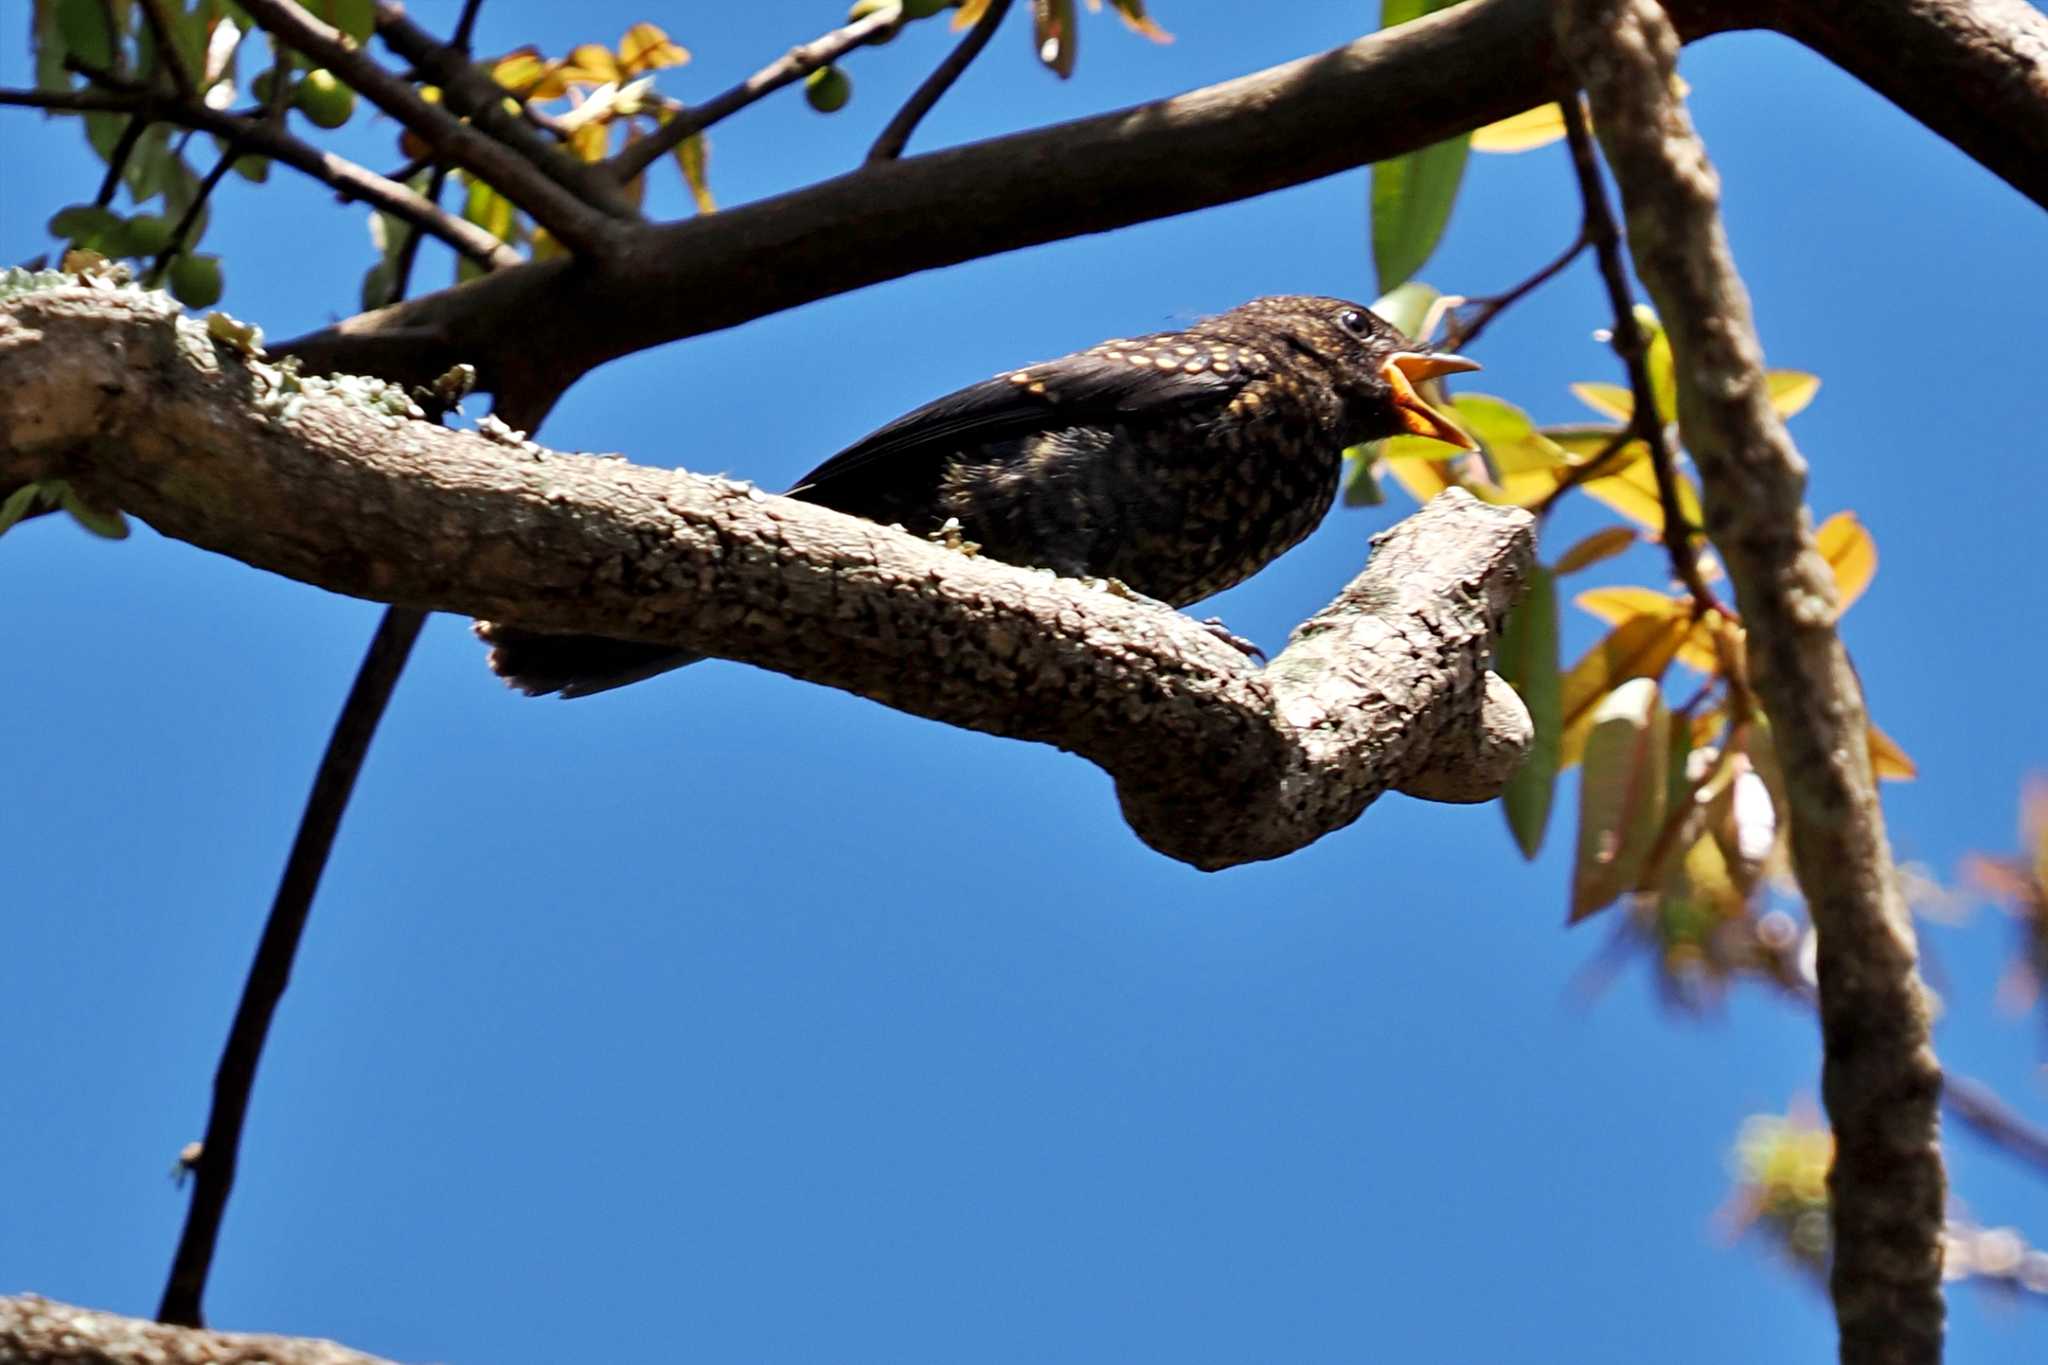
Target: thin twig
[214, 1172]
[890, 144]
[1634, 349]
[182, 229]
[117, 160]
[1590, 469]
[1993, 1119]
[793, 65]
[349, 179]
[1485, 310]
[348, 744]
[167, 51]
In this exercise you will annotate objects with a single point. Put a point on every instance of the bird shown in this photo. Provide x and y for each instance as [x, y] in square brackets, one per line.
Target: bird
[1176, 464]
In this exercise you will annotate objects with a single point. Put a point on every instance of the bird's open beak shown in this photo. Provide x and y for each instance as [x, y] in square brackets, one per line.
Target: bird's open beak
[1403, 371]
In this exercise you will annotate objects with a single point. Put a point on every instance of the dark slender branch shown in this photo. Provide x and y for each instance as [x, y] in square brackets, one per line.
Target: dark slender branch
[465, 26]
[1993, 1119]
[793, 65]
[257, 138]
[890, 144]
[189, 219]
[167, 51]
[1602, 460]
[1634, 349]
[1485, 310]
[117, 160]
[214, 1173]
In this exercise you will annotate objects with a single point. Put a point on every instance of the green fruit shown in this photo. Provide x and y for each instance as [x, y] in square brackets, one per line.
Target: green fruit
[147, 234]
[923, 9]
[828, 89]
[196, 280]
[259, 88]
[324, 100]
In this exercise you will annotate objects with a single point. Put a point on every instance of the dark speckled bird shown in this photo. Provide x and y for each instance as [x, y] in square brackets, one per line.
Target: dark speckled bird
[1178, 463]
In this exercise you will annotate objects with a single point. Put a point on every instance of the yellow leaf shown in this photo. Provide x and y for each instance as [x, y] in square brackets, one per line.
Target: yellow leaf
[590, 141]
[692, 157]
[969, 11]
[1888, 760]
[1609, 400]
[1850, 552]
[591, 64]
[521, 70]
[1615, 605]
[1621, 794]
[646, 48]
[1633, 493]
[1641, 647]
[1791, 390]
[1602, 544]
[1423, 479]
[1132, 12]
[1532, 128]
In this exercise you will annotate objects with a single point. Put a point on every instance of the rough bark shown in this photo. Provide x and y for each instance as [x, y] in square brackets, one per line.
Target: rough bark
[1880, 1080]
[39, 1331]
[1383, 95]
[1217, 762]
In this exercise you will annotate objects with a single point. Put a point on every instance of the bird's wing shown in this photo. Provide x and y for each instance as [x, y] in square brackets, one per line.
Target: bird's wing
[1145, 375]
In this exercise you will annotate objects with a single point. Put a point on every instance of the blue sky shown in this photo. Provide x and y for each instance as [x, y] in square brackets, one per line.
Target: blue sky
[740, 1019]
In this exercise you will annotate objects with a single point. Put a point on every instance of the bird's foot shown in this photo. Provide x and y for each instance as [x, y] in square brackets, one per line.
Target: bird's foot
[1214, 625]
[951, 536]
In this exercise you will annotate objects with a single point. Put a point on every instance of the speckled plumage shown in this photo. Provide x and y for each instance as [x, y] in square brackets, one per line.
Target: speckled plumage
[1179, 463]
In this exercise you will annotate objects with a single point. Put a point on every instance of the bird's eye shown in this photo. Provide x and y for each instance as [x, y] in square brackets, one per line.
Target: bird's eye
[1353, 320]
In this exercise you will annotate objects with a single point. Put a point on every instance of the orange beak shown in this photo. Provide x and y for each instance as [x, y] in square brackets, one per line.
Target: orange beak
[1403, 371]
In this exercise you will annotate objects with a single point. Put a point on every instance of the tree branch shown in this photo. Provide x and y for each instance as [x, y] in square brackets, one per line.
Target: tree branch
[1389, 93]
[470, 92]
[257, 137]
[1880, 1079]
[39, 1331]
[793, 65]
[1645, 423]
[530, 182]
[890, 144]
[1216, 762]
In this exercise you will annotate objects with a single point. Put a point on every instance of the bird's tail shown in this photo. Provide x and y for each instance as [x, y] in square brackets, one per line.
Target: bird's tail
[573, 665]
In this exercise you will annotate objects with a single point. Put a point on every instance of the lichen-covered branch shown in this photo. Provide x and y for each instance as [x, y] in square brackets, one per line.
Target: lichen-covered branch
[1880, 1080]
[1217, 762]
[39, 1331]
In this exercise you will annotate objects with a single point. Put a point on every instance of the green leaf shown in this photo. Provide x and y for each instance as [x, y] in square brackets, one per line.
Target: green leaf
[1528, 660]
[19, 504]
[1411, 205]
[356, 18]
[106, 522]
[1412, 194]
[1621, 794]
[1407, 306]
[86, 225]
[82, 25]
[1362, 483]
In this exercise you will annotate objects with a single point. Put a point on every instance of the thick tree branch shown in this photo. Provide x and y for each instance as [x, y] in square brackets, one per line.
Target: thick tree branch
[1879, 1078]
[1217, 762]
[39, 1331]
[1380, 96]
